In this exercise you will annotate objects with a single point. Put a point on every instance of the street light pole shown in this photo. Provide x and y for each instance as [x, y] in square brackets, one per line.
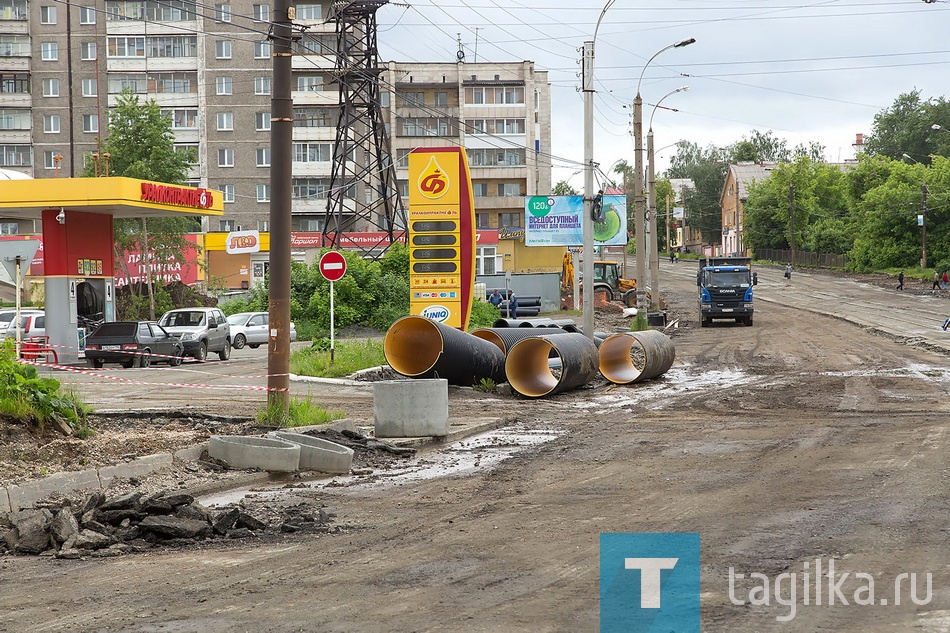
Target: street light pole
[923, 213]
[654, 248]
[638, 202]
[587, 84]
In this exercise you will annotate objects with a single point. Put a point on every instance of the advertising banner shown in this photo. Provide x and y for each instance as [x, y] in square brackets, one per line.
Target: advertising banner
[558, 221]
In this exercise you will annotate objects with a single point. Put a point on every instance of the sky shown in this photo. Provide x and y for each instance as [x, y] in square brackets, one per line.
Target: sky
[808, 71]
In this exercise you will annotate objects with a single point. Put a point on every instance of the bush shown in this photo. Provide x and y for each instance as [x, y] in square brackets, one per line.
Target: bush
[484, 314]
[35, 400]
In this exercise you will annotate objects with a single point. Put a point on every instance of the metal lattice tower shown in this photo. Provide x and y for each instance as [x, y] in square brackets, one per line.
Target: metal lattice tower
[363, 192]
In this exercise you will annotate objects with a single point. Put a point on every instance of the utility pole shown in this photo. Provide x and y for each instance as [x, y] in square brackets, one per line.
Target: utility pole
[923, 226]
[791, 220]
[282, 117]
[639, 226]
[655, 235]
[588, 223]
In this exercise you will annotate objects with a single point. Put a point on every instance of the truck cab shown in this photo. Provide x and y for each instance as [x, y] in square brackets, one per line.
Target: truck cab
[725, 289]
[609, 280]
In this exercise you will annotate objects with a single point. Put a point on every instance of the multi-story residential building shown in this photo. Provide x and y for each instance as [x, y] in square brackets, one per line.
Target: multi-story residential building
[209, 66]
[501, 114]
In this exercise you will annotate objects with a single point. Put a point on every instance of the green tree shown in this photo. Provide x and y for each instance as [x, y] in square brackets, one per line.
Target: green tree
[140, 144]
[907, 128]
[701, 202]
[760, 147]
[562, 188]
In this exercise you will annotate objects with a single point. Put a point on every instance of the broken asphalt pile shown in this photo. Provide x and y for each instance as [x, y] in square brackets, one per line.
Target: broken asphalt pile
[135, 522]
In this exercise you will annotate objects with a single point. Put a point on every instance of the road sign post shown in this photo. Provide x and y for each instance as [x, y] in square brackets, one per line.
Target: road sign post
[332, 267]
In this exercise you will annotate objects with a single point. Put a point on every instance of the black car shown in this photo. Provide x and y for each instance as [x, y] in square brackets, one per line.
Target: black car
[132, 344]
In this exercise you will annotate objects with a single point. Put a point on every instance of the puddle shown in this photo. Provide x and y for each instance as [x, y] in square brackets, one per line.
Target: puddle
[912, 370]
[478, 452]
[676, 381]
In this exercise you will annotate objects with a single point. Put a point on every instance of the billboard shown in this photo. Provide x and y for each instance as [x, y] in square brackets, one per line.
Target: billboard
[441, 235]
[559, 221]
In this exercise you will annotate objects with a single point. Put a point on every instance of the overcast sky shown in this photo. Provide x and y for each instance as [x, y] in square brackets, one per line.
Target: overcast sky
[807, 70]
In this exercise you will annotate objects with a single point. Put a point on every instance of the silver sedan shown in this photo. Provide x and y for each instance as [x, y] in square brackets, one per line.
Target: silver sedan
[250, 328]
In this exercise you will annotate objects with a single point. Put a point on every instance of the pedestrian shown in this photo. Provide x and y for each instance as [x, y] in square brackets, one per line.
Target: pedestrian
[495, 298]
[788, 271]
[513, 306]
[672, 257]
[936, 280]
[900, 280]
[944, 280]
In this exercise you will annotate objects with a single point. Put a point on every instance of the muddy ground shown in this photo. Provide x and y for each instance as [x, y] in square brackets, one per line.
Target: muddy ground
[800, 438]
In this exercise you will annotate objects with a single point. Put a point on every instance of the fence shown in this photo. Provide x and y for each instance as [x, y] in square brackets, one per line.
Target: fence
[803, 258]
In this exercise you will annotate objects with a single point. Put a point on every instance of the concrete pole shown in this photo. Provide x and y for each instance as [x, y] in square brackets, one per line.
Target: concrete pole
[654, 243]
[588, 223]
[282, 117]
[638, 219]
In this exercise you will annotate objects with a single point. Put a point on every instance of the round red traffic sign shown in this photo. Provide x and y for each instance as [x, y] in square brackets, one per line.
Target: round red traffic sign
[332, 266]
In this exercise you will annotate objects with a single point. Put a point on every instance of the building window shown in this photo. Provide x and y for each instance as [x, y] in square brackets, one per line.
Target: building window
[226, 157]
[14, 83]
[13, 10]
[173, 46]
[177, 83]
[15, 156]
[47, 15]
[309, 12]
[125, 47]
[9, 228]
[228, 191]
[49, 159]
[224, 85]
[410, 99]
[51, 123]
[225, 121]
[315, 117]
[485, 259]
[480, 189]
[15, 120]
[263, 157]
[312, 152]
[262, 85]
[222, 12]
[261, 12]
[87, 15]
[136, 83]
[90, 87]
[51, 87]
[262, 49]
[190, 151]
[87, 51]
[226, 225]
[263, 226]
[510, 220]
[309, 188]
[310, 82]
[263, 193]
[441, 98]
[50, 51]
[481, 221]
[509, 189]
[222, 49]
[184, 119]
[90, 123]
[15, 46]
[262, 121]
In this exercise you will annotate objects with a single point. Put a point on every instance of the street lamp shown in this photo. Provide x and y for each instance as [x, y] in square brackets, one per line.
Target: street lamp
[923, 211]
[639, 219]
[654, 249]
[589, 193]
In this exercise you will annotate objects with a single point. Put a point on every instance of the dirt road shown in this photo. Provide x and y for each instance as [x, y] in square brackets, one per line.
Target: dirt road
[804, 437]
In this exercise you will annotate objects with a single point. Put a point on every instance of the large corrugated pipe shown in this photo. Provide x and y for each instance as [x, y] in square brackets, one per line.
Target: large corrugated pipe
[539, 322]
[636, 356]
[505, 337]
[530, 374]
[418, 347]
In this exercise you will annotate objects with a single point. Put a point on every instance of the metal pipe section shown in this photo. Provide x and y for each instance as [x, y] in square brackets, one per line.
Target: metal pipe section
[505, 337]
[621, 364]
[530, 374]
[418, 347]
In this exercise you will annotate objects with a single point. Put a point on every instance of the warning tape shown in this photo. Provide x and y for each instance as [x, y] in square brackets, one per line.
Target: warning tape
[85, 372]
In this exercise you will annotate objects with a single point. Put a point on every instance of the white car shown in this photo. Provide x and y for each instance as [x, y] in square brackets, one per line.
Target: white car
[32, 323]
[250, 328]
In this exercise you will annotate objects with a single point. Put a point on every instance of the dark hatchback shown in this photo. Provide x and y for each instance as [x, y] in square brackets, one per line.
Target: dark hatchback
[132, 344]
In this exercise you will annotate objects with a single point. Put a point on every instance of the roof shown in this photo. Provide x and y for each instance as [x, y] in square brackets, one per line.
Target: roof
[746, 173]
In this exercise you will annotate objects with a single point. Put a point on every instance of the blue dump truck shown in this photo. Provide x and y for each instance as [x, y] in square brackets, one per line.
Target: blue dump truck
[725, 289]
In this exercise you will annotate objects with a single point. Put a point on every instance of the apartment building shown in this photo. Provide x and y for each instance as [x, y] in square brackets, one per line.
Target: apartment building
[209, 65]
[501, 114]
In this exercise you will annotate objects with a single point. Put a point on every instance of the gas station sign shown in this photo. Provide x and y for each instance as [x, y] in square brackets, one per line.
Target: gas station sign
[441, 235]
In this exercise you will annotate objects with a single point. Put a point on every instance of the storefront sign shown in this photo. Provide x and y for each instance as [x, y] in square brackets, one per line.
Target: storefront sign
[179, 196]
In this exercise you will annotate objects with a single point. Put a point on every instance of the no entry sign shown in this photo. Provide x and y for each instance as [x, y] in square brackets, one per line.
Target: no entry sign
[332, 266]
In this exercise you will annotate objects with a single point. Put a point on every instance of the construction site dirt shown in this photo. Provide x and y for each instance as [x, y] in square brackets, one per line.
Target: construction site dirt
[820, 433]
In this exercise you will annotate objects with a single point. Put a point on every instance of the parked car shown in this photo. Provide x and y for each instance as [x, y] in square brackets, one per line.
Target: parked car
[7, 316]
[201, 330]
[250, 328]
[32, 325]
[132, 344]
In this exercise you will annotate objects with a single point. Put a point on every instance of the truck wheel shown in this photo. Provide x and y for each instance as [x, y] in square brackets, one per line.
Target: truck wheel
[630, 299]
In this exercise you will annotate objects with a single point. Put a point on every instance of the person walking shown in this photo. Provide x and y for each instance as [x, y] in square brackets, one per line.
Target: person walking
[944, 280]
[495, 298]
[900, 280]
[788, 272]
[513, 306]
[936, 281]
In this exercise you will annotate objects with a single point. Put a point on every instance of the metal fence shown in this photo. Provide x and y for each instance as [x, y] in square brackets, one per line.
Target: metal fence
[803, 258]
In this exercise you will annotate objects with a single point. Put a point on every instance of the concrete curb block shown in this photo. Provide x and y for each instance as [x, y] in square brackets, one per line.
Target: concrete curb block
[190, 454]
[135, 468]
[318, 454]
[5, 501]
[331, 381]
[241, 452]
[26, 494]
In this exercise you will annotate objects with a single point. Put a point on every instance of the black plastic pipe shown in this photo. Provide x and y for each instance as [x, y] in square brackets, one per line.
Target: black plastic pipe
[505, 337]
[622, 365]
[530, 373]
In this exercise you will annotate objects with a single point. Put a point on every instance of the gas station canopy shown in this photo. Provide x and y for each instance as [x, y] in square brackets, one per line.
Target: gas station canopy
[116, 196]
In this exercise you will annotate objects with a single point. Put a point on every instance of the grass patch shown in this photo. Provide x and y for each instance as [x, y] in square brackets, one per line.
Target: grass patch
[301, 412]
[486, 385]
[28, 397]
[350, 356]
